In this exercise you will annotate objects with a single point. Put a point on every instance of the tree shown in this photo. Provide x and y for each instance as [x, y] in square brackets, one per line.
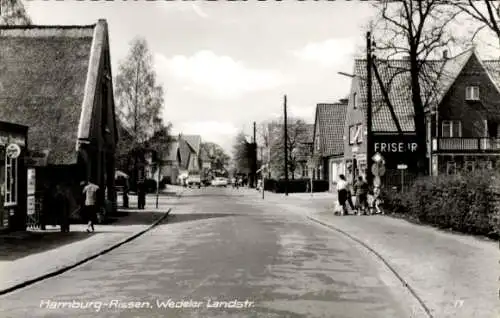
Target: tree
[12, 12]
[417, 30]
[218, 157]
[487, 13]
[241, 154]
[140, 102]
[297, 135]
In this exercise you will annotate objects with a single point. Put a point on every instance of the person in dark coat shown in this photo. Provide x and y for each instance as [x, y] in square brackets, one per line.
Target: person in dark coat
[61, 206]
[361, 189]
[141, 195]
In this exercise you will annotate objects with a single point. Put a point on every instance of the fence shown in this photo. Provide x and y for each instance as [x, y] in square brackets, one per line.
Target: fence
[400, 179]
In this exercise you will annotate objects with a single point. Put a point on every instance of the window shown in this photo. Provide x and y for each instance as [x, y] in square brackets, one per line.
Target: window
[352, 134]
[359, 134]
[472, 93]
[451, 128]
[451, 167]
[355, 100]
[491, 129]
[10, 181]
[317, 143]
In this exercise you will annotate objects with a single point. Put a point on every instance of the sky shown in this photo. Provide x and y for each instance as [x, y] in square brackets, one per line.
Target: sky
[226, 64]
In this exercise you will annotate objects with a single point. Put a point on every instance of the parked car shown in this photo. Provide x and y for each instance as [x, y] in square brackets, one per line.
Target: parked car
[220, 182]
[193, 181]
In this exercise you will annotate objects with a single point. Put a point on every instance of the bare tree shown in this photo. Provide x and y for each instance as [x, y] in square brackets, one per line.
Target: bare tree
[140, 101]
[417, 30]
[12, 12]
[297, 138]
[486, 12]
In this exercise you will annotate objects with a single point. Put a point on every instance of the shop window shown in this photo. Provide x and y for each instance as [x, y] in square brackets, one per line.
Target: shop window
[451, 168]
[10, 181]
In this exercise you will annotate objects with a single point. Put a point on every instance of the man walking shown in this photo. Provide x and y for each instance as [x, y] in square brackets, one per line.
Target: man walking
[90, 208]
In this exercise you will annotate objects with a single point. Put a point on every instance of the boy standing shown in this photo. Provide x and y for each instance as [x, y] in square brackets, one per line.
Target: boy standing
[90, 192]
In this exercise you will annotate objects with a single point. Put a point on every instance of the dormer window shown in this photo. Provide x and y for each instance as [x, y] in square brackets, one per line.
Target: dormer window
[472, 93]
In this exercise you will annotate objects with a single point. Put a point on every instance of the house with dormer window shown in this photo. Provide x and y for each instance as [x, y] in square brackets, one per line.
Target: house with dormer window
[464, 127]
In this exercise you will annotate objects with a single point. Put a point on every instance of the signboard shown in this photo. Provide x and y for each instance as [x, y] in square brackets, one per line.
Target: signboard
[377, 157]
[396, 149]
[31, 205]
[31, 181]
[402, 167]
[37, 158]
[13, 151]
[206, 165]
[10, 138]
[378, 169]
[376, 181]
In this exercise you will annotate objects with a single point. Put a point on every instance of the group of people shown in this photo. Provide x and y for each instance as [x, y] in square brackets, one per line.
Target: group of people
[361, 190]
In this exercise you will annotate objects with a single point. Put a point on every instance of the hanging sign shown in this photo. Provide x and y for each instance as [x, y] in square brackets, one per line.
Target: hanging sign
[13, 151]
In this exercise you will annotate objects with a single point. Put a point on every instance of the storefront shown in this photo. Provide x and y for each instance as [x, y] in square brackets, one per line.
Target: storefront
[13, 177]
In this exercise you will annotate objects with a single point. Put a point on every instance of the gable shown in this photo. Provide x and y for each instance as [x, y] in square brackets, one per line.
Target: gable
[44, 72]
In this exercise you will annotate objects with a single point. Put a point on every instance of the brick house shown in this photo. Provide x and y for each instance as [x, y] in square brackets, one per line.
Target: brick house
[462, 102]
[328, 144]
[57, 81]
[464, 128]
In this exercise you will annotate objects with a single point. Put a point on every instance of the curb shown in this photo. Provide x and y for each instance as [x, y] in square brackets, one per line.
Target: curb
[380, 257]
[85, 260]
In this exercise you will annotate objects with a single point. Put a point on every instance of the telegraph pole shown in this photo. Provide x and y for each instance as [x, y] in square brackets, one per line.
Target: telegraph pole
[286, 148]
[369, 141]
[254, 156]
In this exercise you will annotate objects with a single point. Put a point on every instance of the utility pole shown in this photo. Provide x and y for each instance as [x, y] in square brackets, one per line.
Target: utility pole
[286, 148]
[369, 141]
[254, 155]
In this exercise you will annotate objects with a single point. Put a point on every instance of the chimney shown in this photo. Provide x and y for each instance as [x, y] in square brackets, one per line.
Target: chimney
[445, 54]
[343, 101]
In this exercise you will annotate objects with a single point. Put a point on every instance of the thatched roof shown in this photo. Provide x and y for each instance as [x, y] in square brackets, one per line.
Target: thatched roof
[44, 79]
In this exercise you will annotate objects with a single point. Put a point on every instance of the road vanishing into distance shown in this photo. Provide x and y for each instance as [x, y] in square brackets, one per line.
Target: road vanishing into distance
[222, 253]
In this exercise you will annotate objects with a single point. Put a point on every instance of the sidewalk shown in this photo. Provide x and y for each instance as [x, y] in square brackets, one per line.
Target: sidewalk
[454, 275]
[27, 256]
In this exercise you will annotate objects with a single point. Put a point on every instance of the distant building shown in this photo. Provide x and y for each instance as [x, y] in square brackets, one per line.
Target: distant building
[328, 145]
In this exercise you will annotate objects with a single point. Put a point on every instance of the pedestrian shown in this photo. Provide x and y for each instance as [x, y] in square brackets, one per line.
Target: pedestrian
[90, 206]
[62, 208]
[342, 193]
[141, 195]
[361, 190]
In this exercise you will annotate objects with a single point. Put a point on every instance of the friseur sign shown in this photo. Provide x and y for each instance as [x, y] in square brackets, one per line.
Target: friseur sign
[395, 143]
[396, 149]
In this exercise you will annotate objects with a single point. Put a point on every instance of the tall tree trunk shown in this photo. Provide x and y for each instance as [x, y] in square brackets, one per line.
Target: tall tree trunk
[419, 115]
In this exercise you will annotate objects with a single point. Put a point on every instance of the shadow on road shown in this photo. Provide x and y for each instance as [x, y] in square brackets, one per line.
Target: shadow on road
[138, 217]
[177, 218]
[211, 195]
[18, 245]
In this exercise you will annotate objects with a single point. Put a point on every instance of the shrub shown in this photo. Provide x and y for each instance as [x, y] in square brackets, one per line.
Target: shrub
[467, 203]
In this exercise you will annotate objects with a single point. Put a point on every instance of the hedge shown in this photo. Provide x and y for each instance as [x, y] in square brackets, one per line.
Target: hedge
[466, 203]
[295, 186]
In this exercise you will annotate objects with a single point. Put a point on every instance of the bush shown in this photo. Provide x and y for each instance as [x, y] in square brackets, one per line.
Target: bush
[466, 203]
[150, 185]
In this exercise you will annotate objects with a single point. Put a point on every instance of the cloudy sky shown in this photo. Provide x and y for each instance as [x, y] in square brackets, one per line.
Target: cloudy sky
[227, 64]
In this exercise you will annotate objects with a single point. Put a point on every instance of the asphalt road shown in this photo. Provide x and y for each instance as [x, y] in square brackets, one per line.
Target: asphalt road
[218, 246]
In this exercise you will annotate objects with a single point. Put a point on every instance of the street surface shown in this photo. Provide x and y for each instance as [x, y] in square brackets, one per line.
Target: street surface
[218, 246]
